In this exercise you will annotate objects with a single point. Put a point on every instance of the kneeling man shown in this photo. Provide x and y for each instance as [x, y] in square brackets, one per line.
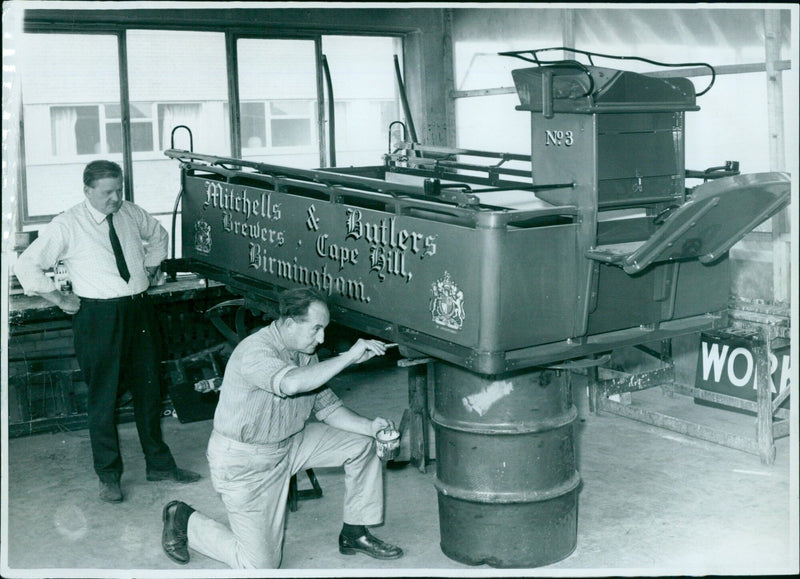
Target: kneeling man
[261, 437]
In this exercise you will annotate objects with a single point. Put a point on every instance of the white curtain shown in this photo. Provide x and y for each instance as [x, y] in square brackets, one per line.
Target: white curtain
[65, 141]
[179, 114]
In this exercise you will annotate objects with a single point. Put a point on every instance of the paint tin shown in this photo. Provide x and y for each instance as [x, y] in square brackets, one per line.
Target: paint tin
[387, 443]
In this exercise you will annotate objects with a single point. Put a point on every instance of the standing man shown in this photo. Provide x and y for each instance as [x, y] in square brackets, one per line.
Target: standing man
[261, 437]
[112, 249]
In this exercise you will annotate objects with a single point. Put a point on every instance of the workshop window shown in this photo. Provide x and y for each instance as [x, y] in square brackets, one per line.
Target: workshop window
[97, 129]
[141, 127]
[72, 107]
[290, 123]
[365, 95]
[276, 124]
[67, 82]
[254, 125]
[74, 130]
[278, 101]
[364, 125]
[172, 115]
[169, 91]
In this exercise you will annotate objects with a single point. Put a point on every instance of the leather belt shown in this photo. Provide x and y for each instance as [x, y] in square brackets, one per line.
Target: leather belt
[132, 298]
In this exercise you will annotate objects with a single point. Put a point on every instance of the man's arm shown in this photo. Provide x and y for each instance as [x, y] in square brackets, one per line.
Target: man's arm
[68, 302]
[345, 419]
[155, 239]
[308, 378]
[36, 259]
[155, 242]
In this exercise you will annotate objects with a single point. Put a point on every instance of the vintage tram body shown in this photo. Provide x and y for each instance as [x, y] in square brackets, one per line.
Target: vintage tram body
[500, 273]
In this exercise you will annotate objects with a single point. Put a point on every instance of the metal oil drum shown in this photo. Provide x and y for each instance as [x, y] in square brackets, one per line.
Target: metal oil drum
[506, 478]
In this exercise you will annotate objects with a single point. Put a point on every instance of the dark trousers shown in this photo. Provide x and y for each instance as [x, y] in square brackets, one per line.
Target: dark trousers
[117, 347]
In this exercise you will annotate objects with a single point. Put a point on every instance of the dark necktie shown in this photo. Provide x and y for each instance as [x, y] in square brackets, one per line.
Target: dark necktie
[115, 245]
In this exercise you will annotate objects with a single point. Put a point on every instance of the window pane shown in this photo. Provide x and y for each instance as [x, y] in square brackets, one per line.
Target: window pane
[289, 108]
[365, 91]
[74, 131]
[478, 130]
[113, 112]
[342, 134]
[170, 91]
[172, 116]
[114, 136]
[291, 132]
[141, 137]
[87, 131]
[253, 125]
[65, 78]
[282, 73]
[226, 127]
[138, 111]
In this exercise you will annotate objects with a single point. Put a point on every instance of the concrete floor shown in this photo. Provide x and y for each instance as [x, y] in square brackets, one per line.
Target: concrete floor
[652, 502]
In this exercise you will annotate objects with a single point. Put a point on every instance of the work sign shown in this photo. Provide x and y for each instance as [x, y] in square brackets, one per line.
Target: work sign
[727, 365]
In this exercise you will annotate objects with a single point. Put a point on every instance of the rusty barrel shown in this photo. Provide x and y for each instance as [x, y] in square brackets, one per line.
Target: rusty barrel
[506, 478]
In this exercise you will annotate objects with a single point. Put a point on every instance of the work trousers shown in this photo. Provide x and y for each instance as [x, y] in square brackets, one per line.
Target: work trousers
[253, 481]
[117, 347]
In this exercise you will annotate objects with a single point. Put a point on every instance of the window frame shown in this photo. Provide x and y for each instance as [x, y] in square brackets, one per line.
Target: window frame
[234, 101]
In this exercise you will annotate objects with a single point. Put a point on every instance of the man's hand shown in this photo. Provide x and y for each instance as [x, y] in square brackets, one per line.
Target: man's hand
[363, 350]
[345, 419]
[154, 275]
[379, 423]
[208, 385]
[68, 302]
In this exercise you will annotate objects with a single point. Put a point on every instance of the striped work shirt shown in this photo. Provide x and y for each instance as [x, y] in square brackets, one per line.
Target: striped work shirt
[252, 408]
[79, 237]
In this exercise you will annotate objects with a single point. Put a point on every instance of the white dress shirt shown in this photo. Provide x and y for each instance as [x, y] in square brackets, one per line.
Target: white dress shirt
[79, 237]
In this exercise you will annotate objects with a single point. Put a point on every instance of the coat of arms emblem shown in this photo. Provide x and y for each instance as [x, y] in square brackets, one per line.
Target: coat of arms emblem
[202, 236]
[447, 303]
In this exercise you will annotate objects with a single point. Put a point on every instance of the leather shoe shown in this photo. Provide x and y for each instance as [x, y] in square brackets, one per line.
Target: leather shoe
[110, 492]
[369, 545]
[176, 475]
[173, 537]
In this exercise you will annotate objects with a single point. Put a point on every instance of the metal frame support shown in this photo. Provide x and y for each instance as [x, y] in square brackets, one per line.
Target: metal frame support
[767, 429]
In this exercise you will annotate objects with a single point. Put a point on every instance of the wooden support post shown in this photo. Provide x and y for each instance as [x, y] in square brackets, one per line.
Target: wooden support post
[449, 80]
[780, 399]
[666, 356]
[764, 433]
[418, 403]
[417, 414]
[777, 155]
[593, 377]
